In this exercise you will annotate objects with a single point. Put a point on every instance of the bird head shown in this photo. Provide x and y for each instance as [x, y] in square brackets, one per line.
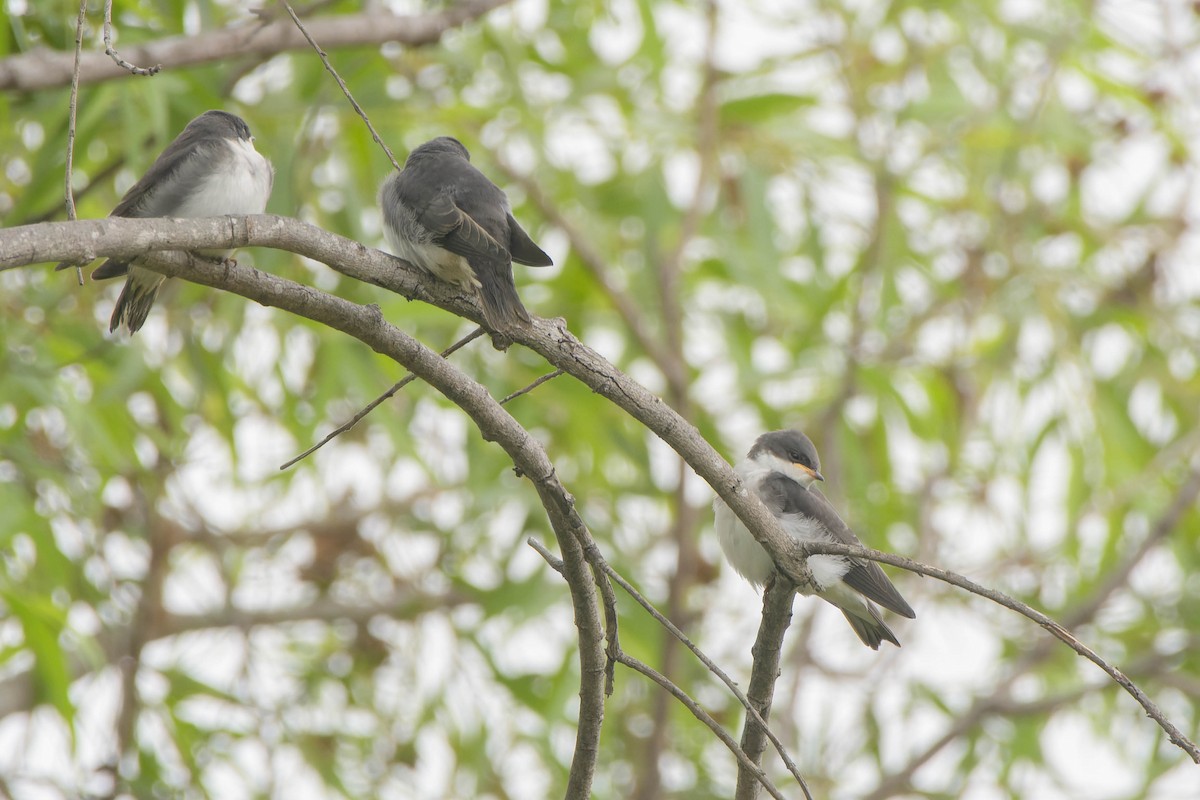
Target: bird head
[789, 452]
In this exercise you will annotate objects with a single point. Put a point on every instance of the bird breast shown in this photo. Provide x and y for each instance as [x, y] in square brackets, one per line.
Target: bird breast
[241, 185]
[748, 557]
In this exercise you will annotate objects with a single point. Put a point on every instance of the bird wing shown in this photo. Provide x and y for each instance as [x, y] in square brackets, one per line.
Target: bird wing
[179, 171]
[454, 230]
[174, 175]
[524, 250]
[783, 496]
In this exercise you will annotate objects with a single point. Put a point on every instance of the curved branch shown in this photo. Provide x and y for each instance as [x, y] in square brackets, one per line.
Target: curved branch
[804, 550]
[366, 324]
[751, 710]
[86, 240]
[61, 241]
[48, 69]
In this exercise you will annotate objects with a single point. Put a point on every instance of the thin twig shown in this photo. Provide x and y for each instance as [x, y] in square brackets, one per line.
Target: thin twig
[613, 648]
[620, 657]
[1057, 630]
[111, 51]
[407, 379]
[554, 561]
[751, 711]
[1073, 617]
[68, 188]
[699, 713]
[547, 377]
[341, 84]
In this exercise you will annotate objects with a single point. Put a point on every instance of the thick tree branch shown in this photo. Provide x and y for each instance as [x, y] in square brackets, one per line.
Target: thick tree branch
[767, 651]
[59, 241]
[366, 324]
[90, 239]
[48, 69]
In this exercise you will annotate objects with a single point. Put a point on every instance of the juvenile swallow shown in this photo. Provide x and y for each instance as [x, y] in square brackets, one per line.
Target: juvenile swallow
[781, 469]
[210, 170]
[443, 215]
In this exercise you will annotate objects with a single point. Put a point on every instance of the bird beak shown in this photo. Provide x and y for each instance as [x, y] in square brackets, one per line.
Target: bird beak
[816, 475]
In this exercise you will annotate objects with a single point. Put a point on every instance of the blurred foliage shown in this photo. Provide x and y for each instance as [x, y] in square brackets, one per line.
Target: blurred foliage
[953, 241]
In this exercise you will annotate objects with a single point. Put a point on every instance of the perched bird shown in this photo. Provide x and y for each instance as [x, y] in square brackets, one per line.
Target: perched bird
[781, 468]
[446, 217]
[210, 170]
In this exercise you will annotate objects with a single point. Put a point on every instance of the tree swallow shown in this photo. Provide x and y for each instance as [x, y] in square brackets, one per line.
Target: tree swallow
[781, 468]
[210, 170]
[446, 217]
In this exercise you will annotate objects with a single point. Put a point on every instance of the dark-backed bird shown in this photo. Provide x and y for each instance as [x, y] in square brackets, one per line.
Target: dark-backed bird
[781, 469]
[443, 215]
[210, 170]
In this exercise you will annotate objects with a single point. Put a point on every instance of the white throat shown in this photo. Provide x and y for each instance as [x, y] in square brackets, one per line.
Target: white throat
[764, 463]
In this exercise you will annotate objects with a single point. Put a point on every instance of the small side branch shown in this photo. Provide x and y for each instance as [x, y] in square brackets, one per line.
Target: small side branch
[744, 762]
[341, 83]
[112, 53]
[1058, 631]
[547, 377]
[72, 105]
[751, 710]
[400, 384]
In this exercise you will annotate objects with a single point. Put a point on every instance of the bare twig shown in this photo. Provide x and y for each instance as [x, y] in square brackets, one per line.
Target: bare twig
[547, 377]
[400, 384]
[613, 648]
[990, 701]
[697, 711]
[111, 51]
[341, 83]
[46, 69]
[69, 189]
[1057, 630]
[751, 711]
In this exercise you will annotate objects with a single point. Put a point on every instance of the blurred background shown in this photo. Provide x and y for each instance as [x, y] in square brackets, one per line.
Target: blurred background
[956, 243]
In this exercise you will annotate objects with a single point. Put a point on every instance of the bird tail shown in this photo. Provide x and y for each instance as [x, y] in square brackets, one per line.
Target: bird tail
[502, 307]
[136, 300]
[873, 631]
[110, 269]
